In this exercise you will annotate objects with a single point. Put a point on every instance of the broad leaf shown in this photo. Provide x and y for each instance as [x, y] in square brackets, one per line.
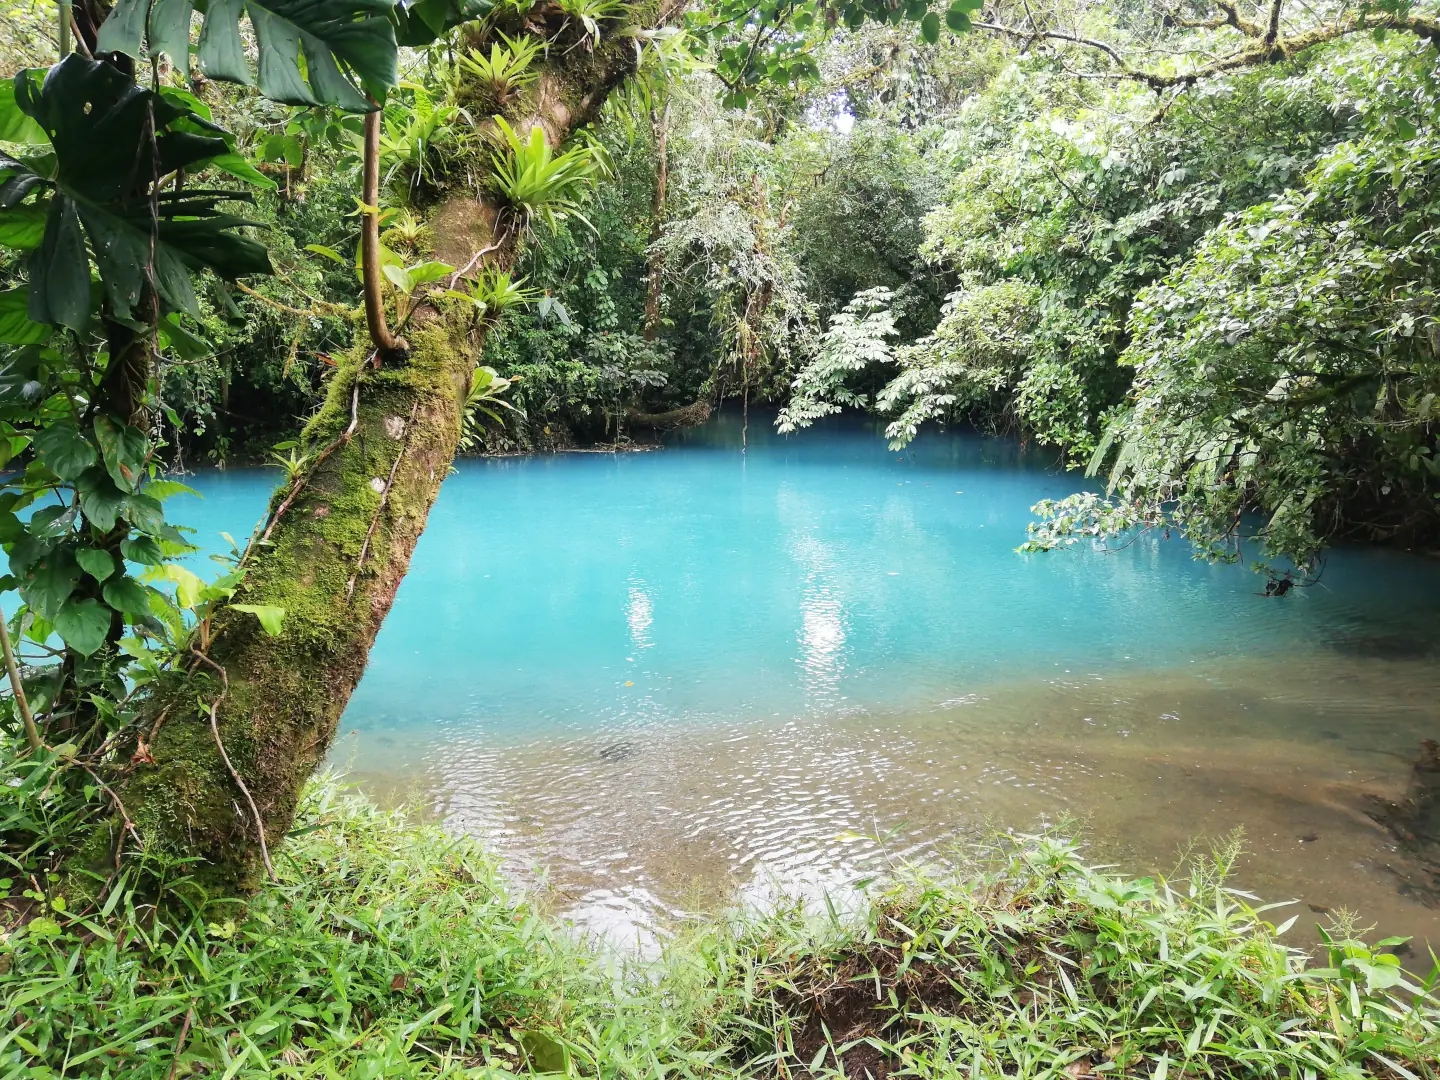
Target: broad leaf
[143, 550]
[188, 585]
[98, 564]
[15, 126]
[16, 326]
[101, 501]
[127, 595]
[272, 618]
[125, 450]
[311, 52]
[426, 272]
[83, 624]
[49, 582]
[420, 23]
[23, 227]
[64, 450]
[98, 122]
[240, 168]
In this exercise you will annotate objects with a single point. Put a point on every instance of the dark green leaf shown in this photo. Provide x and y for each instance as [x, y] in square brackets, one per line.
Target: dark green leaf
[125, 449]
[127, 595]
[100, 500]
[930, 27]
[83, 624]
[60, 270]
[99, 123]
[145, 513]
[50, 582]
[64, 450]
[142, 550]
[957, 20]
[51, 522]
[95, 562]
[187, 346]
[344, 45]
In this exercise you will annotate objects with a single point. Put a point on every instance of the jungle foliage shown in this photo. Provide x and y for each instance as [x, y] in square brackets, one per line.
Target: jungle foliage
[1216, 291]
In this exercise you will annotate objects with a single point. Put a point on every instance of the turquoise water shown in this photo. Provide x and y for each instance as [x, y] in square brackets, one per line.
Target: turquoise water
[694, 670]
[810, 576]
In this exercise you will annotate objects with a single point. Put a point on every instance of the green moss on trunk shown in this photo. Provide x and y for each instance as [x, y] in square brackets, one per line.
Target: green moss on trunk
[281, 698]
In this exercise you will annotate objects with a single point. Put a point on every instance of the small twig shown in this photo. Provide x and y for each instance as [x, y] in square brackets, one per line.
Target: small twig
[321, 305]
[384, 499]
[159, 722]
[300, 484]
[235, 775]
[504, 235]
[180, 1042]
[124, 816]
[32, 733]
[76, 38]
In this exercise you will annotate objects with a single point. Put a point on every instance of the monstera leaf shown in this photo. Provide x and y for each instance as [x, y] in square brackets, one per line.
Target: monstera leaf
[105, 165]
[419, 22]
[347, 46]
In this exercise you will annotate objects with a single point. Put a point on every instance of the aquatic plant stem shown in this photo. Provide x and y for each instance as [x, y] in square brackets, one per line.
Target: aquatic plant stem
[32, 733]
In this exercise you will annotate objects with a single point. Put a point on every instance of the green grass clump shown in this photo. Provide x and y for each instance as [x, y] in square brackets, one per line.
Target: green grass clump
[1027, 963]
[388, 949]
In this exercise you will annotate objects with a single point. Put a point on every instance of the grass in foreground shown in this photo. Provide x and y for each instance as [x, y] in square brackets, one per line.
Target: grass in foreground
[394, 950]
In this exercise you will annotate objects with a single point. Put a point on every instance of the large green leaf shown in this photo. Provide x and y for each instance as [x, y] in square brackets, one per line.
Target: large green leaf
[65, 451]
[23, 227]
[83, 624]
[127, 595]
[124, 449]
[272, 618]
[101, 501]
[106, 161]
[16, 326]
[421, 22]
[49, 582]
[15, 126]
[311, 52]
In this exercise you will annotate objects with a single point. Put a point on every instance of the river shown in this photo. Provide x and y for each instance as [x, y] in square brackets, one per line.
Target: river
[659, 680]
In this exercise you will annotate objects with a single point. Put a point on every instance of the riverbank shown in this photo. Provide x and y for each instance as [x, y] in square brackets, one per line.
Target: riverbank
[386, 949]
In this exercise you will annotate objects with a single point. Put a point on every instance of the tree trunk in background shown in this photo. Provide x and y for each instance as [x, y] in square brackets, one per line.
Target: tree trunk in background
[333, 560]
[654, 284]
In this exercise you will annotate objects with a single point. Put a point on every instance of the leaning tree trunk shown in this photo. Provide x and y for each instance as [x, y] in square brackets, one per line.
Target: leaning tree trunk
[238, 730]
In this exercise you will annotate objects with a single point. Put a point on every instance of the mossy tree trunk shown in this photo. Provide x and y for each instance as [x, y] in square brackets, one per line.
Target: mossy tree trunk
[337, 547]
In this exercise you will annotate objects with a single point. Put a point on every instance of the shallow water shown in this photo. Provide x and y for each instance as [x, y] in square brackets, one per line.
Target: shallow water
[657, 678]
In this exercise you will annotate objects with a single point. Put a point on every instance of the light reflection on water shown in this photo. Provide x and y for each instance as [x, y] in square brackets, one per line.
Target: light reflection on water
[661, 678]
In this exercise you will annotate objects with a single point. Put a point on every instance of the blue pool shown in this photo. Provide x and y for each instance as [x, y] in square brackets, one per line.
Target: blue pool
[628, 668]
